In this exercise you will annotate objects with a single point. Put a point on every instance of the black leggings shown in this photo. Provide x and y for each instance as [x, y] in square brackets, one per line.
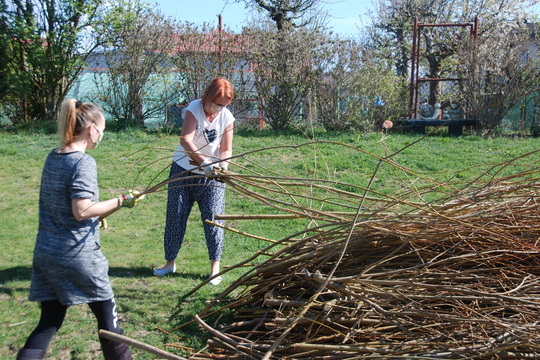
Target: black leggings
[52, 317]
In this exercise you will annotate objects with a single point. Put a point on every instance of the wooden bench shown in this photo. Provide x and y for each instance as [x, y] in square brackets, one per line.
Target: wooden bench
[455, 126]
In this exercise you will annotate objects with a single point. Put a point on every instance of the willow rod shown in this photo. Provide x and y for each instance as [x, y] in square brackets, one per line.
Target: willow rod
[139, 345]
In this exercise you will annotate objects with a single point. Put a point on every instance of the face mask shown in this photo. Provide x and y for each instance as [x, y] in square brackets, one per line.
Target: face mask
[96, 142]
[216, 108]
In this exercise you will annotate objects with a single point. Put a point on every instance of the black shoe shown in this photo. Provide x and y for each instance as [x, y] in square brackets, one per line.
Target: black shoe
[113, 350]
[31, 354]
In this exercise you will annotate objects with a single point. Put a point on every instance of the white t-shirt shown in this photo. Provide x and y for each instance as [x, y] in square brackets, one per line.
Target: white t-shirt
[207, 137]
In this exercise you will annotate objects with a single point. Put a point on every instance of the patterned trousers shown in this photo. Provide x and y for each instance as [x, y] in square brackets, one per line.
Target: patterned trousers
[182, 195]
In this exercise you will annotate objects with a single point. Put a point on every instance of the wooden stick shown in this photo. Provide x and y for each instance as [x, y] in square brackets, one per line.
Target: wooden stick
[281, 216]
[258, 217]
[238, 231]
[139, 345]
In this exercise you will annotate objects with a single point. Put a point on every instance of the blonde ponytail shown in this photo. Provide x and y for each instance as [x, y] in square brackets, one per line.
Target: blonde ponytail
[74, 116]
[66, 122]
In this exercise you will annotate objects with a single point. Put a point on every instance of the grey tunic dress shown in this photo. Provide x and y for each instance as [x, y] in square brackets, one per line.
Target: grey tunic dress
[68, 264]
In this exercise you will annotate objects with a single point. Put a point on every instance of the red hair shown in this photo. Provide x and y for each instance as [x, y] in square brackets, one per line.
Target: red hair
[219, 87]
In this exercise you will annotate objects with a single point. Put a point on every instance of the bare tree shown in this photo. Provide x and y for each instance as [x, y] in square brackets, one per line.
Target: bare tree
[284, 72]
[207, 51]
[295, 13]
[203, 53]
[505, 69]
[139, 81]
[337, 65]
[283, 56]
[392, 26]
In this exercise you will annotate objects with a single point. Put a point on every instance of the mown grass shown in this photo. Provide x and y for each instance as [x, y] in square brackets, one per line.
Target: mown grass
[133, 241]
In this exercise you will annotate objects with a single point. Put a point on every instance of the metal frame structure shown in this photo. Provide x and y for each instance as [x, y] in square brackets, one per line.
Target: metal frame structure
[415, 63]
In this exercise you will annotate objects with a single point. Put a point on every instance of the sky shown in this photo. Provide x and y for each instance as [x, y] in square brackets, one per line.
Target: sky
[344, 14]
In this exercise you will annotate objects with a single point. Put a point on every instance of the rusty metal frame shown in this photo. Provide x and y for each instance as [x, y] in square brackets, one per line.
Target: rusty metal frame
[415, 62]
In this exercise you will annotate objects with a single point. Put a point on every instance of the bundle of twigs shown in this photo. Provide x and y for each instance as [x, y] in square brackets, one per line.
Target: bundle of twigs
[450, 279]
[389, 276]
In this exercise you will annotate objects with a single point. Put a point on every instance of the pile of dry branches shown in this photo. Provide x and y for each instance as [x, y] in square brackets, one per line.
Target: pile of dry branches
[379, 276]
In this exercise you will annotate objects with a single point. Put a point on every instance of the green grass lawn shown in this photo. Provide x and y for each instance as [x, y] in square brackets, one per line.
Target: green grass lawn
[133, 241]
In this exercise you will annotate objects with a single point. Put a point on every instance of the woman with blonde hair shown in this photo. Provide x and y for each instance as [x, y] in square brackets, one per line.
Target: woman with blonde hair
[205, 144]
[68, 266]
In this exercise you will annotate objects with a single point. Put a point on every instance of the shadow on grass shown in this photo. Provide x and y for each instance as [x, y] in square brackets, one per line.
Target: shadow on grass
[183, 322]
[24, 273]
[17, 273]
[14, 274]
[146, 272]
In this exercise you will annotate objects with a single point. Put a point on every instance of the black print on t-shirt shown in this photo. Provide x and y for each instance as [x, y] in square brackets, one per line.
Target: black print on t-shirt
[210, 135]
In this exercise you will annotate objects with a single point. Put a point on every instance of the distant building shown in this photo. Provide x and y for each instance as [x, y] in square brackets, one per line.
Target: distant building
[195, 59]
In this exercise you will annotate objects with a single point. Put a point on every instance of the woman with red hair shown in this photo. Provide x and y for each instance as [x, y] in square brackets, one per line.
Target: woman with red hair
[205, 144]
